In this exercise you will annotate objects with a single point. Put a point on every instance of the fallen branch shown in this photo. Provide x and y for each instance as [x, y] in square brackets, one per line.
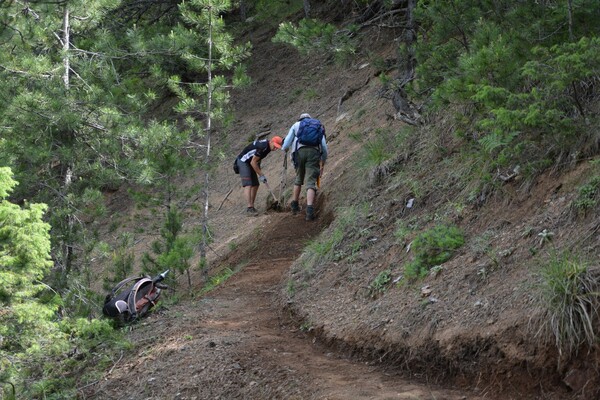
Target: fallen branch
[226, 196]
[263, 134]
[383, 15]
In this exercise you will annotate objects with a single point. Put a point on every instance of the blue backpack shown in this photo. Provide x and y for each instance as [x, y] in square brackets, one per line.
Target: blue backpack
[311, 132]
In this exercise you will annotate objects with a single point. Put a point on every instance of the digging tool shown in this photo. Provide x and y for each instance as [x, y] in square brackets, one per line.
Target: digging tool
[275, 204]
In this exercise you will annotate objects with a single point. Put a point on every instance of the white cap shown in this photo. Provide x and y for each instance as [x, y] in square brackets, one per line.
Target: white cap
[304, 115]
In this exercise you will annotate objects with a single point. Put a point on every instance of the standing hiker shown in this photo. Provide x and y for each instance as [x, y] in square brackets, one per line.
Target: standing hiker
[248, 162]
[306, 138]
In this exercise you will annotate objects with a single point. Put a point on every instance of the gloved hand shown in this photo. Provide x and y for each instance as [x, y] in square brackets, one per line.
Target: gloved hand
[262, 178]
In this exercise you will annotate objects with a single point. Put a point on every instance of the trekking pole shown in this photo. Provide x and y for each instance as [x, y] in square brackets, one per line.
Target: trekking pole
[283, 178]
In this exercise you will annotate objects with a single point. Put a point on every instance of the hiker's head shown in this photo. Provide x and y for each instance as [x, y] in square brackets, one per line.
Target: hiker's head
[276, 142]
[303, 115]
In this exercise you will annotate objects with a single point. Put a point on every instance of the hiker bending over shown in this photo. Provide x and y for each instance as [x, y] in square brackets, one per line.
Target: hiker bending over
[306, 138]
[248, 162]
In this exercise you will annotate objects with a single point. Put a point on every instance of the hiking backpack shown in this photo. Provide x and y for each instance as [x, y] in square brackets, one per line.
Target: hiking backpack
[310, 132]
[129, 303]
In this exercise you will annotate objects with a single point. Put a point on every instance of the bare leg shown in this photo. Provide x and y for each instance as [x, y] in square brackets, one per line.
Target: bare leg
[310, 196]
[253, 191]
[250, 194]
[296, 192]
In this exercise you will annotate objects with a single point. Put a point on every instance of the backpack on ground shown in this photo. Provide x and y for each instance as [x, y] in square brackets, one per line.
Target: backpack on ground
[133, 297]
[310, 132]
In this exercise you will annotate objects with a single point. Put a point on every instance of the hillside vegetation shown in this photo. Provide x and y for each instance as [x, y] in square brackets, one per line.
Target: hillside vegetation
[459, 208]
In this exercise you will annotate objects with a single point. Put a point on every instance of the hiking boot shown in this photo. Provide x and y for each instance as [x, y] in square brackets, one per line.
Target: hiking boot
[295, 207]
[310, 213]
[251, 211]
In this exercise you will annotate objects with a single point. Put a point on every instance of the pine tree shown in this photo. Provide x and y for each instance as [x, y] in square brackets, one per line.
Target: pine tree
[83, 81]
[208, 99]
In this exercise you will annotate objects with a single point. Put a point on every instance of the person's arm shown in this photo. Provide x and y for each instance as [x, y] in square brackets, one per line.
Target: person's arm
[324, 151]
[289, 139]
[255, 163]
[324, 155]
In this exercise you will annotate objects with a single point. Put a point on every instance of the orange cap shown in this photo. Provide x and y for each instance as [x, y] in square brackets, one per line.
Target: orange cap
[277, 141]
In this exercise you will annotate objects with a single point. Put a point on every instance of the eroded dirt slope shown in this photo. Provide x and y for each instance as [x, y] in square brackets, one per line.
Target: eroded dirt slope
[238, 343]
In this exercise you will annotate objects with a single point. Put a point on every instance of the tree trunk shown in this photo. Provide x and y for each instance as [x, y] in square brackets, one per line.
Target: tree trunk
[65, 44]
[410, 38]
[205, 232]
[68, 175]
[306, 8]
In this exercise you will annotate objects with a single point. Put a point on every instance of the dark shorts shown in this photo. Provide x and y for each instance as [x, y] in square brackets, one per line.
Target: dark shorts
[308, 159]
[247, 173]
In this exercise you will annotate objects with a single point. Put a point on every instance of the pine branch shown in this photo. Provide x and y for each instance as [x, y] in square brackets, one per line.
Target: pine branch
[25, 73]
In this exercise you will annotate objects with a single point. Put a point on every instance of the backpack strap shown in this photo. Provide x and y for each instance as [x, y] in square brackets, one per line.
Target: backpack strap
[119, 285]
[131, 300]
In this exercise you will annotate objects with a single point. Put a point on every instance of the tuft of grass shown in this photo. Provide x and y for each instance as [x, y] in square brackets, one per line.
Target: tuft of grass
[311, 94]
[217, 280]
[327, 246]
[433, 247]
[356, 136]
[380, 283]
[588, 195]
[291, 287]
[375, 153]
[570, 294]
[402, 231]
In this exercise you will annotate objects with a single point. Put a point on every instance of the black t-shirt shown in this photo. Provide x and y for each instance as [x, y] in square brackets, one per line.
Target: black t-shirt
[258, 148]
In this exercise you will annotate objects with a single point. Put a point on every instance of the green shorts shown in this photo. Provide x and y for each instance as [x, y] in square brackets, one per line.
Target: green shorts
[308, 159]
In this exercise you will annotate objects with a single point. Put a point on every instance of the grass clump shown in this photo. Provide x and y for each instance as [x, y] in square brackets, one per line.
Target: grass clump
[375, 153]
[588, 195]
[217, 280]
[570, 294]
[433, 247]
[380, 283]
[327, 246]
[323, 247]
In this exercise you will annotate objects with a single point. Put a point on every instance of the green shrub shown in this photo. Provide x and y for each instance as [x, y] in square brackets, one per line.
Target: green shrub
[433, 247]
[268, 11]
[570, 294]
[313, 36]
[588, 194]
[530, 101]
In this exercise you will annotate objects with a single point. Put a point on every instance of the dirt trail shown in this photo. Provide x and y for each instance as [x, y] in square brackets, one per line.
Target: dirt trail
[238, 343]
